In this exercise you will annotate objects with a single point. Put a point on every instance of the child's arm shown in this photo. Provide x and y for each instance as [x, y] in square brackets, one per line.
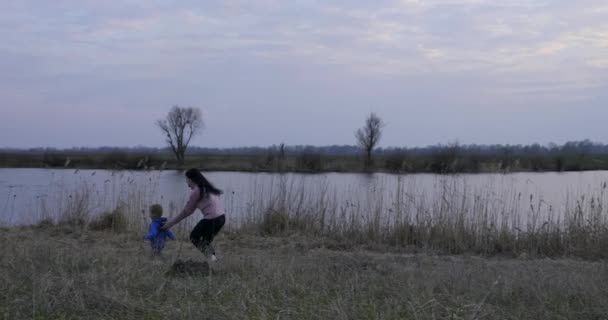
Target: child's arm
[152, 231]
[170, 234]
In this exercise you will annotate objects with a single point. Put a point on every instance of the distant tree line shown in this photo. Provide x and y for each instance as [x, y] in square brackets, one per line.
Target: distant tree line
[580, 147]
[182, 124]
[451, 158]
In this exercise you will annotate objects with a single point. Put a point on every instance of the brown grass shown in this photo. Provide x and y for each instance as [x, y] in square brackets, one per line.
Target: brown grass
[455, 221]
[300, 254]
[90, 275]
[455, 224]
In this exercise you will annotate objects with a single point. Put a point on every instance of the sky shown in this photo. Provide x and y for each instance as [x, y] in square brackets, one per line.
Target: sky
[94, 73]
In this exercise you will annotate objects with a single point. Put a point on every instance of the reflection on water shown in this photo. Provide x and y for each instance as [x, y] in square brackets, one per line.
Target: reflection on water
[27, 195]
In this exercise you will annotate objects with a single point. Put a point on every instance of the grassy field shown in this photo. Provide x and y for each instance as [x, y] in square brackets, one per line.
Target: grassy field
[465, 256]
[63, 272]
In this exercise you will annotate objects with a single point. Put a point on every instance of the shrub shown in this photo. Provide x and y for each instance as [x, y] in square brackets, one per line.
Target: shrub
[310, 161]
[110, 221]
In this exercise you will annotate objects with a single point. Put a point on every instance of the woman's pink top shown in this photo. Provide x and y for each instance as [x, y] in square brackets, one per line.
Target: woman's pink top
[210, 205]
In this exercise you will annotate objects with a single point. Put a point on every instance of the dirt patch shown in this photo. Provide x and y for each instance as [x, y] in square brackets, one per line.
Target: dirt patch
[190, 268]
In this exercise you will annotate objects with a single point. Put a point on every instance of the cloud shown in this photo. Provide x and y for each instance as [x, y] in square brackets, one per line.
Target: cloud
[536, 53]
[449, 34]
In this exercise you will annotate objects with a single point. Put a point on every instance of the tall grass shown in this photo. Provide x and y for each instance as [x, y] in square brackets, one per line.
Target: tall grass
[119, 203]
[454, 221]
[452, 217]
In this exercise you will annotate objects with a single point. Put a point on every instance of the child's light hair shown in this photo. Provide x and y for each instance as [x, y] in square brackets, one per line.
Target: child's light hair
[156, 211]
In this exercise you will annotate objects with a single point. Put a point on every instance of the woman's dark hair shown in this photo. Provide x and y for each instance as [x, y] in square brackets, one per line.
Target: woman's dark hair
[203, 184]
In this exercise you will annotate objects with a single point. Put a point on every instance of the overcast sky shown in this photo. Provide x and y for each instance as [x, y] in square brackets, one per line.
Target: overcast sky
[99, 73]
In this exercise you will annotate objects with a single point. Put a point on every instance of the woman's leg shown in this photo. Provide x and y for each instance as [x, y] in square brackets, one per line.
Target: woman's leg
[198, 234]
[203, 233]
[216, 225]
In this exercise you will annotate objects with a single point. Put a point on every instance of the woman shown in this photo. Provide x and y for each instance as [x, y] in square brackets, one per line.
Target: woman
[205, 197]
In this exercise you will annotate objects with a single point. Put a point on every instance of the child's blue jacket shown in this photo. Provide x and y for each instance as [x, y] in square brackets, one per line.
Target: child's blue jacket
[158, 236]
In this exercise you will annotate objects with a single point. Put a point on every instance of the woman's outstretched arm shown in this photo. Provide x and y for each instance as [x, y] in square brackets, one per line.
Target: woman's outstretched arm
[188, 209]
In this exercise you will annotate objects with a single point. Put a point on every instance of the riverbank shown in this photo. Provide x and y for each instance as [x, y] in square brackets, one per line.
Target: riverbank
[446, 215]
[440, 161]
[58, 272]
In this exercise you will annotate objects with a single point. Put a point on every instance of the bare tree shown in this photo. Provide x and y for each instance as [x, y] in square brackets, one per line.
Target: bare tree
[369, 136]
[179, 128]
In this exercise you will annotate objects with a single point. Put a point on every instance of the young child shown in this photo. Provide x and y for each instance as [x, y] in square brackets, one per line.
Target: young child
[156, 235]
